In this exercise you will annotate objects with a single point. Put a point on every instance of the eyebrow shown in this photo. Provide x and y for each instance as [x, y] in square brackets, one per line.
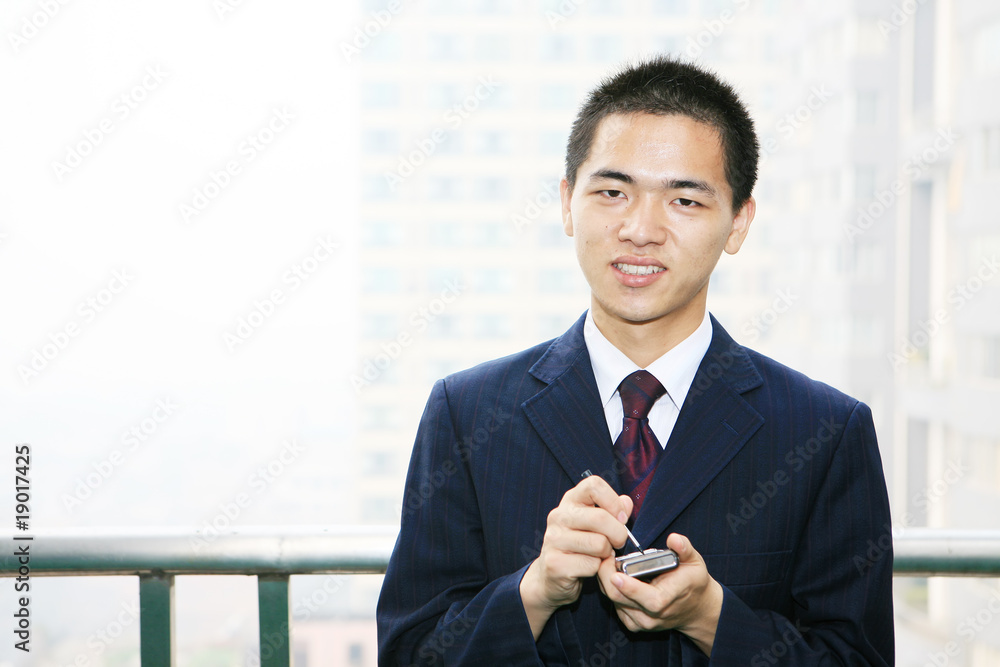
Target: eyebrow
[668, 184]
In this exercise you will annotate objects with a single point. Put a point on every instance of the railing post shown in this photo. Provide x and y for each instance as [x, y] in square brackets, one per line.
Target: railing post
[156, 620]
[272, 608]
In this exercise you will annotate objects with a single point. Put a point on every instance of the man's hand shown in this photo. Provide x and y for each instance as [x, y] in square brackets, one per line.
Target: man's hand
[580, 534]
[687, 598]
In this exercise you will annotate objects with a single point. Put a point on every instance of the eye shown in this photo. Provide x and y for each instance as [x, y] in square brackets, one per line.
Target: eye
[686, 203]
[612, 194]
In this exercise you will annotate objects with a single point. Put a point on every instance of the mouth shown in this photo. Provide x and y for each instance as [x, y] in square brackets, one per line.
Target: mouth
[638, 269]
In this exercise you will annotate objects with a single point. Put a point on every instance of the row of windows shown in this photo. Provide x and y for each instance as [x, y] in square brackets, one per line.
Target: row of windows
[455, 47]
[571, 8]
[393, 281]
[561, 48]
[382, 141]
[987, 49]
[456, 100]
[438, 188]
[387, 234]
[988, 148]
[488, 329]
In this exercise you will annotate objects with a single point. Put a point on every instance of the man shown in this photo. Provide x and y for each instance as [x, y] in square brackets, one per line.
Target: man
[767, 485]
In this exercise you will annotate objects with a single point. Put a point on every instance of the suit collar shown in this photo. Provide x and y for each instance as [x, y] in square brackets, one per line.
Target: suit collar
[567, 412]
[714, 422]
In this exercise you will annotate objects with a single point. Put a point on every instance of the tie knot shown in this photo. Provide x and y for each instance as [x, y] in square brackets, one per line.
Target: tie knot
[639, 390]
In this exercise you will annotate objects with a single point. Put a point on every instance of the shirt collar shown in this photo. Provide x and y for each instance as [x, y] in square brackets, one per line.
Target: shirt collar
[675, 369]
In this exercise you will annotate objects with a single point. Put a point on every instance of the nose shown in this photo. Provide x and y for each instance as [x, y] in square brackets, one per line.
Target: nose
[644, 222]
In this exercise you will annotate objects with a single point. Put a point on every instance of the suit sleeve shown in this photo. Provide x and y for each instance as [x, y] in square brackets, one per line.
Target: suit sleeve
[841, 574]
[437, 606]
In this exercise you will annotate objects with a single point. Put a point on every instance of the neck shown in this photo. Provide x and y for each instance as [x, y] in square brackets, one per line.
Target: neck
[645, 342]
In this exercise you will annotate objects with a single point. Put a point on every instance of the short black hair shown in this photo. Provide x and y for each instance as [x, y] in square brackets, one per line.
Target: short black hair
[664, 86]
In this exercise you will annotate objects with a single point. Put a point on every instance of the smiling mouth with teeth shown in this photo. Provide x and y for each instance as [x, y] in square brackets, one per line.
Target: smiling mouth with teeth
[635, 270]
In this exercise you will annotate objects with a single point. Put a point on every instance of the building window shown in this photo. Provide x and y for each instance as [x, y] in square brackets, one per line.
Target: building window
[383, 48]
[443, 188]
[380, 95]
[380, 142]
[605, 48]
[491, 189]
[866, 112]
[492, 326]
[441, 95]
[450, 144]
[864, 182]
[990, 355]
[381, 280]
[494, 7]
[381, 416]
[442, 326]
[870, 40]
[445, 47]
[602, 7]
[493, 47]
[491, 142]
[672, 7]
[382, 234]
[377, 188]
[494, 281]
[988, 49]
[552, 142]
[924, 51]
[445, 234]
[557, 97]
[558, 281]
[381, 326]
[489, 235]
[553, 236]
[557, 48]
[991, 149]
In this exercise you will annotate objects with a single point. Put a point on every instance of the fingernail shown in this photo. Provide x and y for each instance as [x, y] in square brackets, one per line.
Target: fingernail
[617, 580]
[622, 517]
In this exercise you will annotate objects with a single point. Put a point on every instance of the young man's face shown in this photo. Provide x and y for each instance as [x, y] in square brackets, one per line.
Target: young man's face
[651, 213]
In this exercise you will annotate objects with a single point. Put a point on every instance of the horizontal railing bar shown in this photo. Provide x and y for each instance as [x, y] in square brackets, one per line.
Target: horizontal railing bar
[918, 552]
[931, 552]
[249, 550]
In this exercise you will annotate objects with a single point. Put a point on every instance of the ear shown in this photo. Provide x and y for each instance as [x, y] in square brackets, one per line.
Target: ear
[741, 225]
[565, 197]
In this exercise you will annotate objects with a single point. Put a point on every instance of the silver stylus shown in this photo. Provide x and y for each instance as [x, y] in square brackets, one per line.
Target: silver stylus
[587, 473]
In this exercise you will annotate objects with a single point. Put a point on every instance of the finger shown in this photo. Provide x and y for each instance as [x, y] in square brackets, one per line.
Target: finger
[592, 519]
[625, 616]
[595, 490]
[627, 504]
[605, 573]
[571, 565]
[629, 591]
[580, 540]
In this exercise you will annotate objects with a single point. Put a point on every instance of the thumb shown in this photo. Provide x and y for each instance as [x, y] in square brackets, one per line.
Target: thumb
[686, 553]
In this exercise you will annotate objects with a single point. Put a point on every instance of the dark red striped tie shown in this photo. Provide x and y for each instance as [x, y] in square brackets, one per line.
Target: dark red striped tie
[637, 447]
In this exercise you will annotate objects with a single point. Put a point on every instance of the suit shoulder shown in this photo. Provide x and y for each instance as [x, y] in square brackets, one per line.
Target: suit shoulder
[496, 372]
[799, 386]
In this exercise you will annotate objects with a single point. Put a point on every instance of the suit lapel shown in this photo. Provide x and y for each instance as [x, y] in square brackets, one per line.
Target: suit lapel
[567, 413]
[714, 423]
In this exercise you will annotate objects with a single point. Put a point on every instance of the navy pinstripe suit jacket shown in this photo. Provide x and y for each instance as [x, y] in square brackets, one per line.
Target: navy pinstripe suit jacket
[775, 478]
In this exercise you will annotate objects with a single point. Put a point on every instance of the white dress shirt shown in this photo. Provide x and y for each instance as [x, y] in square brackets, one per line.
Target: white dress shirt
[675, 370]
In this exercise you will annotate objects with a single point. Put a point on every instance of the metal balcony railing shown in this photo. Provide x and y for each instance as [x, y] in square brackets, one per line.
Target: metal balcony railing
[274, 554]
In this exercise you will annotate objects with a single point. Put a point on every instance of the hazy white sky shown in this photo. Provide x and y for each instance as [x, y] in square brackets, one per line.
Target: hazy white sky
[117, 116]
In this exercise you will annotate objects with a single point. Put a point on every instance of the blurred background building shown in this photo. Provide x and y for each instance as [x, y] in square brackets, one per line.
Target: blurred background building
[869, 265]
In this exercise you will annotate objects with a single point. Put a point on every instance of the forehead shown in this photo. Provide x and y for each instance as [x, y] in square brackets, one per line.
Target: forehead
[654, 143]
